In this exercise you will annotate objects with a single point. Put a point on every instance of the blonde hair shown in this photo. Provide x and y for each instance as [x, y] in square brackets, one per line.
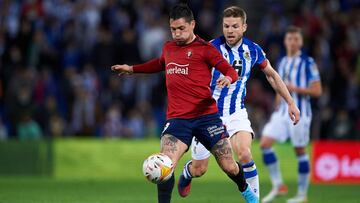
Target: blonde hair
[235, 11]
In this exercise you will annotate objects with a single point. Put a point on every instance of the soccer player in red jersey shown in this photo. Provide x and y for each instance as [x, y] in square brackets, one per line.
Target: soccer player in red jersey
[187, 61]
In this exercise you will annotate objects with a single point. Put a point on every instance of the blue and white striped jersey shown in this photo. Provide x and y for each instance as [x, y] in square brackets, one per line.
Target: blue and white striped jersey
[242, 57]
[300, 71]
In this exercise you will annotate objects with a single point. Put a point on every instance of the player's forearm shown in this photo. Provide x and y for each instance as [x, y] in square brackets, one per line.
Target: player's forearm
[228, 71]
[277, 101]
[311, 91]
[152, 66]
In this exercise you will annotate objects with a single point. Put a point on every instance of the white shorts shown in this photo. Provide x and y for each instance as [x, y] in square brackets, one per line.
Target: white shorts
[234, 123]
[280, 128]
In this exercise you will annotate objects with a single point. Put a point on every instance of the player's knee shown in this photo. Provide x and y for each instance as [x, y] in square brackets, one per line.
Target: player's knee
[300, 151]
[244, 155]
[265, 143]
[199, 170]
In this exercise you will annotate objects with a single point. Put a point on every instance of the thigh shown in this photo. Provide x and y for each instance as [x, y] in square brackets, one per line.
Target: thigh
[223, 153]
[209, 130]
[237, 122]
[300, 133]
[172, 147]
[198, 151]
[241, 141]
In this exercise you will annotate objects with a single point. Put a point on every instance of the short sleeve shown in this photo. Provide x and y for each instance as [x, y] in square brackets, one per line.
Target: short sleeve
[260, 57]
[260, 54]
[313, 71]
[280, 68]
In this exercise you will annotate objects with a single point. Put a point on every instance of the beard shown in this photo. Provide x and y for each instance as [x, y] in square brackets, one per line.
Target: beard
[234, 41]
[180, 43]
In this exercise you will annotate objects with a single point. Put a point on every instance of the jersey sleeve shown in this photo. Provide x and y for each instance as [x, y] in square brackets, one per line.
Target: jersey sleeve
[152, 66]
[279, 68]
[261, 59]
[313, 72]
[216, 60]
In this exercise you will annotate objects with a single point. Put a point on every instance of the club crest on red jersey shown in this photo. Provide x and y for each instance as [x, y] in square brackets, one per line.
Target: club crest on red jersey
[189, 54]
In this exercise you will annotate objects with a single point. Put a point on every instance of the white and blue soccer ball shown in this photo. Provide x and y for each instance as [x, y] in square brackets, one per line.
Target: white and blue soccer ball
[158, 168]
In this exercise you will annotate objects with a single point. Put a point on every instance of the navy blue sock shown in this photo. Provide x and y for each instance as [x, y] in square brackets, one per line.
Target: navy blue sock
[165, 190]
[239, 179]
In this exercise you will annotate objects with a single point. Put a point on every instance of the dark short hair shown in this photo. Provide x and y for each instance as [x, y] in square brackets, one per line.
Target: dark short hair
[293, 29]
[181, 11]
[236, 12]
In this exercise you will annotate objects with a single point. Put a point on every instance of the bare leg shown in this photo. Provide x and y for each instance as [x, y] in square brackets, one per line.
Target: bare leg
[223, 155]
[198, 167]
[192, 169]
[241, 144]
[174, 148]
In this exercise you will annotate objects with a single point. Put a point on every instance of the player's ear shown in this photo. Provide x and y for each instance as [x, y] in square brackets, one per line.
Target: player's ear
[301, 41]
[192, 24]
[244, 27]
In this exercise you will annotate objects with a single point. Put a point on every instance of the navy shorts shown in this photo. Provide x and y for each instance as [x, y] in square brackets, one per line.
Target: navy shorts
[208, 129]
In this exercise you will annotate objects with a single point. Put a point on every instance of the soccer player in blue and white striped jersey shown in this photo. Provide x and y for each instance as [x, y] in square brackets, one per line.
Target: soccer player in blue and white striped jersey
[243, 54]
[301, 75]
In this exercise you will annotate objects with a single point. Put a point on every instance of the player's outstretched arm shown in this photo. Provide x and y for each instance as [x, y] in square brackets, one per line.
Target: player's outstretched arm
[152, 66]
[280, 87]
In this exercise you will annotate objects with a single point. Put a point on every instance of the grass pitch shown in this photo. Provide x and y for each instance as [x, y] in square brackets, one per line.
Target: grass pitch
[106, 171]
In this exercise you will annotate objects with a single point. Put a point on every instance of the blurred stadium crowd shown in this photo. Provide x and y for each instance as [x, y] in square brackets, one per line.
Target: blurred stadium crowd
[55, 58]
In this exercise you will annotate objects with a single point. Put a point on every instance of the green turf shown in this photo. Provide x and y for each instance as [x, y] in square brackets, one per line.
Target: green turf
[105, 171]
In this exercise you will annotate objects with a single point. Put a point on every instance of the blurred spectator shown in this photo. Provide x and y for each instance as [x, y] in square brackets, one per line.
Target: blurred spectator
[103, 53]
[342, 126]
[46, 112]
[19, 99]
[113, 126]
[208, 19]
[55, 59]
[273, 26]
[86, 86]
[28, 128]
[3, 131]
[128, 49]
[259, 104]
[57, 126]
[135, 127]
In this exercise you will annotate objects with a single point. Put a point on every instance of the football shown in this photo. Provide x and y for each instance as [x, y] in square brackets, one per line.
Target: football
[158, 168]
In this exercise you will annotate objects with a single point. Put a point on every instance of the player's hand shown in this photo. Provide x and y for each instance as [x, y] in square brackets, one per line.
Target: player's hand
[122, 69]
[223, 82]
[294, 112]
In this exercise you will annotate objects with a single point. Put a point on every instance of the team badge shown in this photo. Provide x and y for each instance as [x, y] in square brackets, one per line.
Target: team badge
[189, 54]
[247, 55]
[225, 55]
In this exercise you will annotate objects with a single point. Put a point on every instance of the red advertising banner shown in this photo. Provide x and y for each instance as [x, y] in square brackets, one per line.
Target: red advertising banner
[336, 162]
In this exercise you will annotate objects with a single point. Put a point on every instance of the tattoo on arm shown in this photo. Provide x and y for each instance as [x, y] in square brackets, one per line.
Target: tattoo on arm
[168, 144]
[222, 150]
